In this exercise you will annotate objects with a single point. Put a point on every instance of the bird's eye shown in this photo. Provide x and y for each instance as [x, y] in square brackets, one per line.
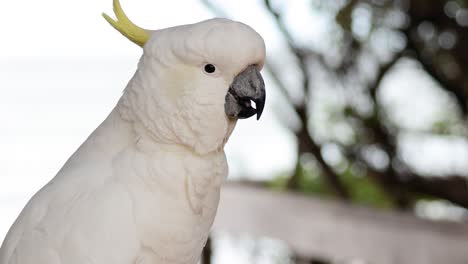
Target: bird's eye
[209, 68]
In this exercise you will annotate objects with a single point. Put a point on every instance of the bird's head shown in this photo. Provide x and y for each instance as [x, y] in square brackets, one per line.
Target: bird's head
[194, 81]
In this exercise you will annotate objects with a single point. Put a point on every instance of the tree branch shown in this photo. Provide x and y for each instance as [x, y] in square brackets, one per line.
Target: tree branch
[298, 53]
[431, 69]
[308, 145]
[420, 12]
[399, 184]
[453, 188]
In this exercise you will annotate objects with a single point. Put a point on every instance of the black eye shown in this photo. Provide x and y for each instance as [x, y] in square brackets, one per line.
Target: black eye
[210, 68]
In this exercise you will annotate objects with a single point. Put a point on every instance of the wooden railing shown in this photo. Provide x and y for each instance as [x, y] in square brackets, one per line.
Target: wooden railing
[333, 230]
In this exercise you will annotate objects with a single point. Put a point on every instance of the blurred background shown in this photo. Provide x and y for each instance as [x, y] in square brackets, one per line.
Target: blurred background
[364, 132]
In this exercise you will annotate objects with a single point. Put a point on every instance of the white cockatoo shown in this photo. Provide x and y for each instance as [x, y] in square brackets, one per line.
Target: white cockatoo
[144, 187]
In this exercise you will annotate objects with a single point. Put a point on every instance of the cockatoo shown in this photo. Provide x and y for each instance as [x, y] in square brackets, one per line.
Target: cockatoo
[144, 187]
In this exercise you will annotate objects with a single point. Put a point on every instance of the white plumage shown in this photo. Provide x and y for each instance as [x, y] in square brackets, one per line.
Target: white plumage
[144, 187]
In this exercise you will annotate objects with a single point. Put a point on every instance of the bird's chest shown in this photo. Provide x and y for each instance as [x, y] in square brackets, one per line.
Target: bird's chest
[175, 200]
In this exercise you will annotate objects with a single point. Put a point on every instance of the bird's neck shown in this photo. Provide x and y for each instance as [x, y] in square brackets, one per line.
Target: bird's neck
[110, 137]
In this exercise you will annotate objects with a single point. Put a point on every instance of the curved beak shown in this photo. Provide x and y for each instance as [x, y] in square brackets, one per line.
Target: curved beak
[247, 88]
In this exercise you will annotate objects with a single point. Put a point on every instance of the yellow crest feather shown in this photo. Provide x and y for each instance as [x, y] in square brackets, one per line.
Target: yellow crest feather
[126, 27]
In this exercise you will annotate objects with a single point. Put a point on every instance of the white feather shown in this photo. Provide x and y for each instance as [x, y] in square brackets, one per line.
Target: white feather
[144, 187]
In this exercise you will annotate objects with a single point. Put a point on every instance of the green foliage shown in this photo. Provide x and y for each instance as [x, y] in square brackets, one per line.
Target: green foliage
[309, 182]
[463, 3]
[344, 16]
[363, 190]
[442, 127]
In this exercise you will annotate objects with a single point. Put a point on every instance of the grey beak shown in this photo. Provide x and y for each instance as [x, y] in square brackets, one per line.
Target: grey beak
[247, 86]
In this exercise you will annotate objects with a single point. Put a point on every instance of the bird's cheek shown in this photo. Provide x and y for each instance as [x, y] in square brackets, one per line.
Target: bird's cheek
[180, 82]
[211, 92]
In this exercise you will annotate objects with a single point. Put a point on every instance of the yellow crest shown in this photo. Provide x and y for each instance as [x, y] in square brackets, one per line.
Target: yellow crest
[126, 27]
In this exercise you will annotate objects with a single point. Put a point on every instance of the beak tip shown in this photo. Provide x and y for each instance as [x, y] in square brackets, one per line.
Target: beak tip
[260, 105]
[258, 115]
